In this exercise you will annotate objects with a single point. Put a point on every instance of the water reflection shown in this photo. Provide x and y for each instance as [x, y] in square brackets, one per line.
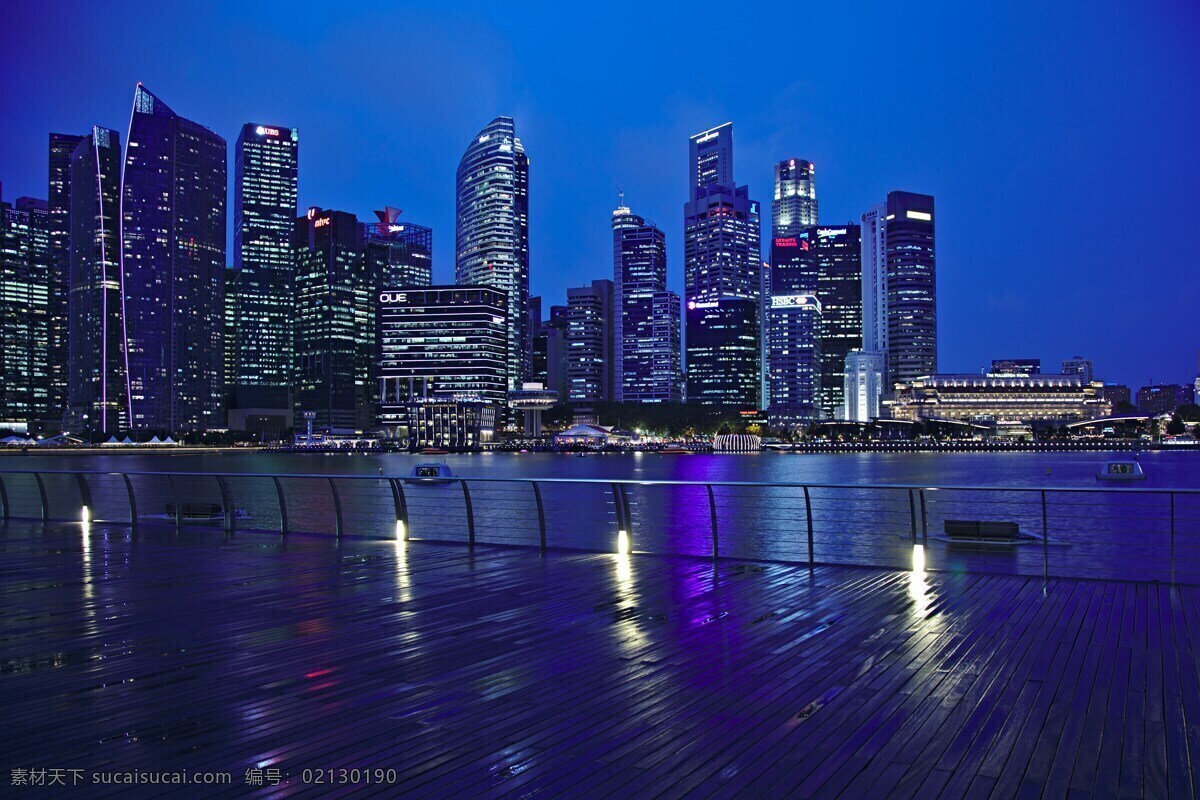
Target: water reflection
[403, 579]
[918, 586]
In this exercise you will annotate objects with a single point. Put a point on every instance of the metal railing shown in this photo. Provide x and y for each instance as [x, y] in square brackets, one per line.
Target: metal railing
[1130, 533]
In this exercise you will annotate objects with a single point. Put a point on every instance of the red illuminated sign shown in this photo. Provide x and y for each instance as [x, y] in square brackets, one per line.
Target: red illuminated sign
[321, 223]
[788, 242]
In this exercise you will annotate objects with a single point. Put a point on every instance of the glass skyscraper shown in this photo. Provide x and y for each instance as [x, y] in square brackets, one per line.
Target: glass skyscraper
[62, 145]
[24, 312]
[492, 236]
[835, 255]
[398, 253]
[590, 342]
[97, 387]
[793, 334]
[173, 266]
[795, 205]
[722, 266]
[647, 364]
[266, 160]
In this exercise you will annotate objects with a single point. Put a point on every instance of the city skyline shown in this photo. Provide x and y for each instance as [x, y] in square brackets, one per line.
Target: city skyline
[1040, 163]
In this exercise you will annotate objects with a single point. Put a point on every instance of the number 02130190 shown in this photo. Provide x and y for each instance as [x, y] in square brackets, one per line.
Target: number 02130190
[346, 775]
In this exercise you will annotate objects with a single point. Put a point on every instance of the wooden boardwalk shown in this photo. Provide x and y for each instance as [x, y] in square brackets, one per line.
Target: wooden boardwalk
[506, 673]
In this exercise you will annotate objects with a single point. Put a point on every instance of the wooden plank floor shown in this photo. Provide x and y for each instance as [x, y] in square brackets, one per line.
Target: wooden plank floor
[506, 673]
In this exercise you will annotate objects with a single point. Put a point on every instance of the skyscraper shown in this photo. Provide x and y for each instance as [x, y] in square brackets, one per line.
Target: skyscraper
[900, 285]
[97, 386]
[62, 145]
[24, 312]
[398, 253]
[334, 322]
[492, 236]
[647, 362]
[837, 256]
[173, 266]
[794, 333]
[722, 262]
[266, 159]
[795, 205]
[590, 342]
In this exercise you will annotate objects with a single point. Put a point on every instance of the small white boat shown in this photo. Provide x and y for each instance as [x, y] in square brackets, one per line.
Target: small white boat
[1121, 469]
[431, 473]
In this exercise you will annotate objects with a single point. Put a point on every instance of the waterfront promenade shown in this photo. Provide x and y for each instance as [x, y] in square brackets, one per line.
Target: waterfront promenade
[497, 672]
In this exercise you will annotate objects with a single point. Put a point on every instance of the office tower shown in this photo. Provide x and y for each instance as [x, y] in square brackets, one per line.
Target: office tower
[398, 253]
[232, 298]
[722, 263]
[442, 356]
[795, 205]
[1163, 398]
[1018, 366]
[1079, 366]
[795, 347]
[62, 145]
[173, 265]
[590, 342]
[334, 322]
[492, 236]
[24, 312]
[647, 359]
[862, 385]
[97, 386]
[900, 285]
[836, 255]
[549, 364]
[266, 160]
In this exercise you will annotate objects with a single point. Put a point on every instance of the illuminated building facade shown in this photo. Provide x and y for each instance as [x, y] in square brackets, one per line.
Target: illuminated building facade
[24, 312]
[795, 360]
[173, 268]
[862, 385]
[1020, 366]
[492, 236]
[1163, 398]
[399, 254]
[334, 322]
[97, 390]
[62, 145]
[590, 345]
[794, 207]
[999, 398]
[647, 360]
[1079, 366]
[266, 160]
[723, 353]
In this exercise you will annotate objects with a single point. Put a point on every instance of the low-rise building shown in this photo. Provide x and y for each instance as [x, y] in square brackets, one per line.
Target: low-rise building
[999, 399]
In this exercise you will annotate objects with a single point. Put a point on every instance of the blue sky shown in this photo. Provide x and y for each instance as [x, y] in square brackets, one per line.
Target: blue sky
[1060, 139]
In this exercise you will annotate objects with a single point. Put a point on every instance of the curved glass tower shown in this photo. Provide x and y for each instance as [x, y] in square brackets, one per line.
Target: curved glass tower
[492, 239]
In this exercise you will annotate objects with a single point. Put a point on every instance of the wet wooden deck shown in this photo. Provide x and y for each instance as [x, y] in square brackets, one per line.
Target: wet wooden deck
[502, 672]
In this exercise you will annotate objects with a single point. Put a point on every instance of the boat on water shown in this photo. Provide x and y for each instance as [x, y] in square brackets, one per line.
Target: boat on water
[431, 473]
[1121, 469]
[435, 451]
[197, 512]
[674, 451]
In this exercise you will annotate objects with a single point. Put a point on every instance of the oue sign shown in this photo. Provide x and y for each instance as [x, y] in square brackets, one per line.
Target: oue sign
[393, 297]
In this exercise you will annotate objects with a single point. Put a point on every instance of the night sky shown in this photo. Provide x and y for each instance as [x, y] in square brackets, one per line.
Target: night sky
[1061, 140]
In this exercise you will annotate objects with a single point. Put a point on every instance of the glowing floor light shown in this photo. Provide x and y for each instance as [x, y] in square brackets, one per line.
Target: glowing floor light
[401, 531]
[622, 543]
[86, 515]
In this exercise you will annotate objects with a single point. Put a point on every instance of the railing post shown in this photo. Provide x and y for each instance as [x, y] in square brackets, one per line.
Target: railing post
[175, 497]
[470, 514]
[337, 508]
[133, 515]
[85, 493]
[283, 518]
[924, 520]
[1045, 540]
[1172, 537]
[912, 511]
[619, 507]
[808, 514]
[226, 503]
[4, 498]
[712, 510]
[401, 504]
[537, 495]
[42, 493]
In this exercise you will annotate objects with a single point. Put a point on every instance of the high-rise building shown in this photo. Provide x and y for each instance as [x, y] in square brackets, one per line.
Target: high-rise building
[1020, 366]
[837, 256]
[62, 145]
[647, 361]
[795, 205]
[173, 267]
[1163, 398]
[795, 347]
[398, 253]
[266, 160]
[1079, 366]
[722, 264]
[862, 385]
[900, 285]
[233, 290]
[97, 386]
[492, 236]
[590, 342]
[443, 371]
[24, 312]
[549, 365]
[334, 322]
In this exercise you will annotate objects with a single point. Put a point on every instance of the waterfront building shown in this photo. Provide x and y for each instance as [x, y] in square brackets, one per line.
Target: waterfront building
[1000, 399]
[862, 385]
[836, 255]
[722, 265]
[399, 254]
[24, 313]
[1022, 366]
[97, 389]
[445, 344]
[1116, 394]
[794, 207]
[231, 298]
[900, 285]
[647, 364]
[590, 342]
[333, 323]
[62, 145]
[531, 400]
[492, 233]
[549, 362]
[1079, 366]
[1163, 398]
[795, 359]
[446, 422]
[173, 268]
[266, 162]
